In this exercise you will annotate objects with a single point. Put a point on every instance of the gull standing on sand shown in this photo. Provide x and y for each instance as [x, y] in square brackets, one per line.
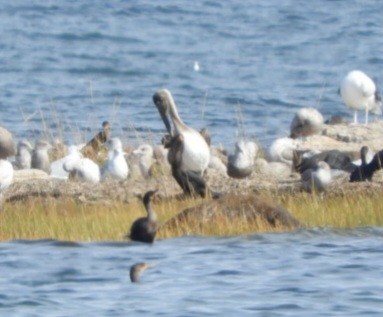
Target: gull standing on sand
[23, 158]
[359, 92]
[306, 122]
[241, 163]
[40, 157]
[116, 165]
[195, 152]
[7, 146]
[316, 179]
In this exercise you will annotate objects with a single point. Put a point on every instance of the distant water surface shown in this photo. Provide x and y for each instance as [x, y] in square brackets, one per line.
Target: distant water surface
[67, 66]
[305, 273]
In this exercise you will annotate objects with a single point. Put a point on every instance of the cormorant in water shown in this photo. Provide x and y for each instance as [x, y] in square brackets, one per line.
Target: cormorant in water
[137, 269]
[144, 229]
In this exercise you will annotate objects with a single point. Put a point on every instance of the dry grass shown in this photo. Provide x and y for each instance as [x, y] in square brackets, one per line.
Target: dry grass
[343, 211]
[69, 220]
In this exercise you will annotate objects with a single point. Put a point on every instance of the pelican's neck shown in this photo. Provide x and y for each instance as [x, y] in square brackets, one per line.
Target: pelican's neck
[179, 125]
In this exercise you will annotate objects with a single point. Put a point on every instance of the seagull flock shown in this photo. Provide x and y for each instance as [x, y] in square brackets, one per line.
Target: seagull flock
[187, 154]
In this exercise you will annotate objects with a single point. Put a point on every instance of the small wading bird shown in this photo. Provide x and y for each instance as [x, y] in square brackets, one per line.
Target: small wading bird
[145, 229]
[359, 92]
[195, 151]
[137, 269]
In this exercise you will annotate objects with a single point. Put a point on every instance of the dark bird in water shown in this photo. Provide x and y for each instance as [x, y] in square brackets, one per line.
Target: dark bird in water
[365, 171]
[192, 183]
[100, 138]
[137, 269]
[144, 229]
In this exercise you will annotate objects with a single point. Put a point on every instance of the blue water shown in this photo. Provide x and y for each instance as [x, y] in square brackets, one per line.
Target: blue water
[67, 66]
[307, 273]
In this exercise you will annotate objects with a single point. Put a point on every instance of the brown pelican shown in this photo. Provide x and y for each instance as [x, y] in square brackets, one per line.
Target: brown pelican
[191, 182]
[137, 269]
[40, 157]
[7, 146]
[195, 152]
[145, 229]
[359, 92]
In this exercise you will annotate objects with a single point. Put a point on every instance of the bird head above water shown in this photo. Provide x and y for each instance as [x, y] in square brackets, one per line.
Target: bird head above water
[137, 269]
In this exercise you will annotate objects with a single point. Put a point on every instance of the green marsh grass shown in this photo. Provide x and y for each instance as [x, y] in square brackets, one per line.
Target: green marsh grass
[74, 221]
